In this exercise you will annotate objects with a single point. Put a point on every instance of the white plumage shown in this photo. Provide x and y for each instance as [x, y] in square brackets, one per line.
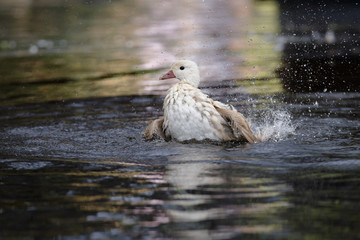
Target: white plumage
[189, 114]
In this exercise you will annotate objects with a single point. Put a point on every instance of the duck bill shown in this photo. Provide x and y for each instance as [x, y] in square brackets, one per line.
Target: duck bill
[168, 75]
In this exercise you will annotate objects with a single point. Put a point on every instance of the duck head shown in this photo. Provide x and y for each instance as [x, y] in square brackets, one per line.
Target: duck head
[185, 71]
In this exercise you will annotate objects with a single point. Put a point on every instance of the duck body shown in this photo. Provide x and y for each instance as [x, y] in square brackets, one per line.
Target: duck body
[190, 115]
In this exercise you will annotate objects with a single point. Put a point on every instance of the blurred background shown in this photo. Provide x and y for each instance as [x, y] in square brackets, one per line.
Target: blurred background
[55, 50]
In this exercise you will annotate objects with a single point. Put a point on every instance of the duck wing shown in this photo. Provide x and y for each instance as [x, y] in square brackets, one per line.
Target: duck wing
[238, 124]
[154, 129]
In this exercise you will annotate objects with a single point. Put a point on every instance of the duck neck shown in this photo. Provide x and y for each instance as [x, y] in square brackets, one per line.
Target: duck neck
[192, 81]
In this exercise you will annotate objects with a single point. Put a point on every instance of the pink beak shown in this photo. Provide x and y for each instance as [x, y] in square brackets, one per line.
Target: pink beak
[168, 75]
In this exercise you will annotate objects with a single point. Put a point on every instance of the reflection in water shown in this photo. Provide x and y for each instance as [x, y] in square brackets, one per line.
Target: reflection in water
[88, 174]
[80, 198]
[209, 194]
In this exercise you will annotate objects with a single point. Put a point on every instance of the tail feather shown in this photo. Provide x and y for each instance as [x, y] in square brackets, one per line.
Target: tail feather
[238, 124]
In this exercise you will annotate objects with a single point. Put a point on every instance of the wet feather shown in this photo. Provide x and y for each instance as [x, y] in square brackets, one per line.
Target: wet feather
[190, 114]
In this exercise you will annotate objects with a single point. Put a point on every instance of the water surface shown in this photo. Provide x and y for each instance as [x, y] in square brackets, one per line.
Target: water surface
[78, 93]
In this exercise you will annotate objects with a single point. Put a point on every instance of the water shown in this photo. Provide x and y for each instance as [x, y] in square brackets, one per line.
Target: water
[74, 164]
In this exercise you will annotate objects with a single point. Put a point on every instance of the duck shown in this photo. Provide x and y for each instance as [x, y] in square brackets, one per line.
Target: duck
[189, 114]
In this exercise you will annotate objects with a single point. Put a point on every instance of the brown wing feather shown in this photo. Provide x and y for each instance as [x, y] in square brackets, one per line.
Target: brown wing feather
[238, 124]
[155, 128]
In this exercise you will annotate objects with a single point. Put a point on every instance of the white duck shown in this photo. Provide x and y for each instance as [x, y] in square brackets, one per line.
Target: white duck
[189, 114]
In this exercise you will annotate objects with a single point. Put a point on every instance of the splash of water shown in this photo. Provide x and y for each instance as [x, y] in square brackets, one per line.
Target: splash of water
[274, 125]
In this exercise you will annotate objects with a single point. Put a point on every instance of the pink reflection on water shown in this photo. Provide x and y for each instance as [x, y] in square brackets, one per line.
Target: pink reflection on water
[203, 31]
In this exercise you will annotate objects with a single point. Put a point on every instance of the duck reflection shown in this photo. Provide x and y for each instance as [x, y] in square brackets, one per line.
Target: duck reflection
[216, 200]
[189, 174]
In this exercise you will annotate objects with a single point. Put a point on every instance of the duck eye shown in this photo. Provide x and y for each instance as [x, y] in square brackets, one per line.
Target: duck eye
[182, 68]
